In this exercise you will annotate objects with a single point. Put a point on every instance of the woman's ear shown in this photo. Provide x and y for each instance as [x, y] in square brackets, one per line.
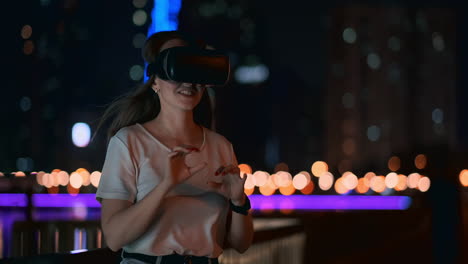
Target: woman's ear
[154, 86]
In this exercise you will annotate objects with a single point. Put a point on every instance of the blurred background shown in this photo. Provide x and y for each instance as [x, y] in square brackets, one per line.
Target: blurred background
[348, 116]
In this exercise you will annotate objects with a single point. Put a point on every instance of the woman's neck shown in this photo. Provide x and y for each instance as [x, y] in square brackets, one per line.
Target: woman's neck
[176, 125]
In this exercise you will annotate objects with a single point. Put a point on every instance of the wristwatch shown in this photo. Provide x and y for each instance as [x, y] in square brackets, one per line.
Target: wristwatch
[244, 209]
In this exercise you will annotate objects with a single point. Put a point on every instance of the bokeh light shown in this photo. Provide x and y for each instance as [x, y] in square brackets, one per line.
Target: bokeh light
[282, 179]
[363, 185]
[373, 133]
[464, 177]
[349, 146]
[260, 178]
[249, 191]
[81, 134]
[413, 180]
[39, 177]
[46, 181]
[245, 168]
[63, 178]
[373, 61]
[76, 180]
[326, 181]
[391, 180]
[318, 168]
[340, 187]
[349, 180]
[20, 174]
[281, 167]
[249, 183]
[28, 47]
[26, 31]
[139, 17]
[266, 190]
[424, 184]
[377, 184]
[95, 177]
[420, 161]
[309, 188]
[369, 176]
[394, 163]
[136, 72]
[85, 175]
[287, 190]
[73, 191]
[402, 183]
[349, 35]
[300, 181]
[139, 3]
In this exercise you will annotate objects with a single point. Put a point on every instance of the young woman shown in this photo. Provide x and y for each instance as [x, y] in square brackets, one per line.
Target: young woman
[170, 190]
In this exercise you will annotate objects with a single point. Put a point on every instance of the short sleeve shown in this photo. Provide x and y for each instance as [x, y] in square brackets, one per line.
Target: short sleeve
[118, 176]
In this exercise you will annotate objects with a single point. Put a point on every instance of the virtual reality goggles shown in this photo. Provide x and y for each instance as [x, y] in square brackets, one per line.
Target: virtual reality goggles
[191, 65]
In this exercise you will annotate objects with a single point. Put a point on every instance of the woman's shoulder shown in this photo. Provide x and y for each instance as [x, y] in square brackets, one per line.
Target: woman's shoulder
[127, 133]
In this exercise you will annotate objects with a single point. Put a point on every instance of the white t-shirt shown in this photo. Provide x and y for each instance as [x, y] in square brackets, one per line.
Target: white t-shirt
[191, 219]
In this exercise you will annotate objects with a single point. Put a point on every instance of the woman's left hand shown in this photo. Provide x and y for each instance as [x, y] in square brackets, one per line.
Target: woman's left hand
[232, 185]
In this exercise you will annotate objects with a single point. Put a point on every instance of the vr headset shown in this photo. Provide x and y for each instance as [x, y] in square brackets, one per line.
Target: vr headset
[191, 65]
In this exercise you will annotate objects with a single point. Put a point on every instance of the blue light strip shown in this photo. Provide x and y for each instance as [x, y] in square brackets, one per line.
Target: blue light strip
[164, 17]
[259, 202]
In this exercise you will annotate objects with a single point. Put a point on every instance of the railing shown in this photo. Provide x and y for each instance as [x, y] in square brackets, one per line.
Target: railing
[275, 241]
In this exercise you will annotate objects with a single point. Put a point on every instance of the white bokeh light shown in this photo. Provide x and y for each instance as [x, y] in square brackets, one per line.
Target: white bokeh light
[81, 134]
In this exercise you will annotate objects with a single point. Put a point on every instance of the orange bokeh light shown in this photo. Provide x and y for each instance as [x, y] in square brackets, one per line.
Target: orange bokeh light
[245, 168]
[53, 190]
[266, 190]
[249, 191]
[318, 168]
[340, 186]
[402, 183]
[72, 191]
[287, 190]
[377, 184]
[394, 163]
[363, 185]
[464, 178]
[309, 188]
[420, 161]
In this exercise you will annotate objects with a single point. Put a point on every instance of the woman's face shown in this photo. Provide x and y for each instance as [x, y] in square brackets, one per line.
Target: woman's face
[183, 96]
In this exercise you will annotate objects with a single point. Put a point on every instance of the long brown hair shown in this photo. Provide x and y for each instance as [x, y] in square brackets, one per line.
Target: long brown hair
[142, 104]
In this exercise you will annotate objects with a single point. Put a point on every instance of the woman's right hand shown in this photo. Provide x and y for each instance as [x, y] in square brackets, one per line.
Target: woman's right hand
[177, 170]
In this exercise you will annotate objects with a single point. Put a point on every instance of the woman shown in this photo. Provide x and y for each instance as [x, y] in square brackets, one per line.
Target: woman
[170, 190]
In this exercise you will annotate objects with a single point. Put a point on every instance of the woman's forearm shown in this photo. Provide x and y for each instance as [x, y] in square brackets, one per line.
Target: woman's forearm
[128, 224]
[241, 233]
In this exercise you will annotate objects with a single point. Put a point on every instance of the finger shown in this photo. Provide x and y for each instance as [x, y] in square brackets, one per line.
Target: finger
[219, 170]
[197, 168]
[185, 149]
[173, 154]
[190, 147]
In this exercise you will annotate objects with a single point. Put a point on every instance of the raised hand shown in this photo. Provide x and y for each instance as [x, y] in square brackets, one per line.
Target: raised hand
[232, 185]
[176, 169]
